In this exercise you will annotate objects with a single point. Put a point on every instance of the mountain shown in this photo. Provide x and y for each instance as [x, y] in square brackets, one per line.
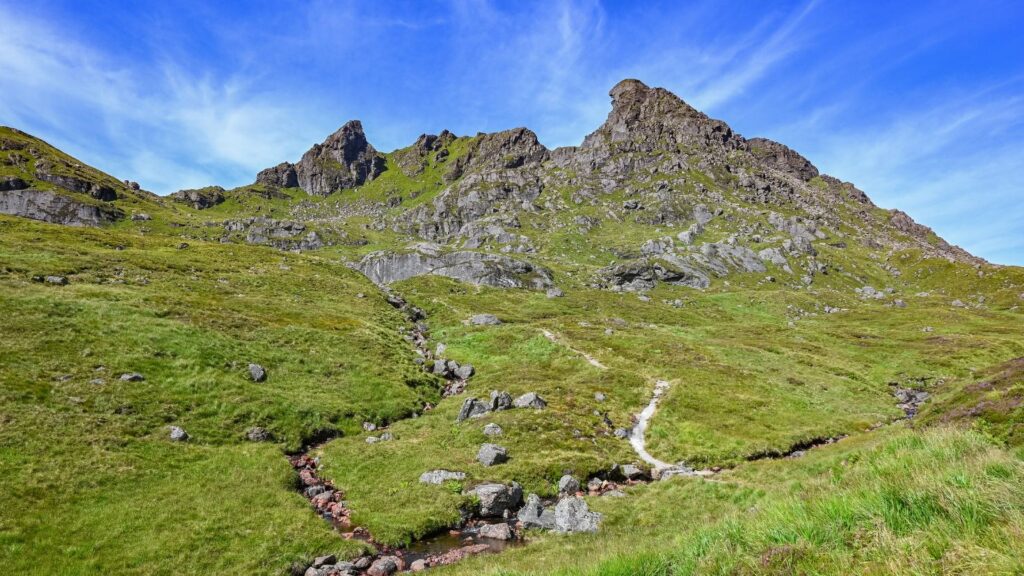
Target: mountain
[668, 350]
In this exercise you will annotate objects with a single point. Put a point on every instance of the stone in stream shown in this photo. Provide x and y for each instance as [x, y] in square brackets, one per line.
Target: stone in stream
[441, 476]
[500, 401]
[533, 514]
[257, 373]
[497, 499]
[492, 454]
[132, 377]
[320, 561]
[418, 566]
[633, 472]
[471, 408]
[178, 434]
[484, 320]
[568, 484]
[492, 429]
[385, 566]
[573, 515]
[530, 400]
[499, 531]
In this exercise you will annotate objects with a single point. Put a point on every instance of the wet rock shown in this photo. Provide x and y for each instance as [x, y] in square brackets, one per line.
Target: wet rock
[257, 434]
[441, 476]
[499, 531]
[492, 429]
[573, 515]
[384, 566]
[530, 400]
[484, 320]
[497, 499]
[178, 434]
[257, 373]
[492, 454]
[132, 377]
[500, 401]
[471, 408]
[534, 515]
[568, 484]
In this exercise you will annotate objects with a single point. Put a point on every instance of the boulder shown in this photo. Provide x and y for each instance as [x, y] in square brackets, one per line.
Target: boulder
[471, 408]
[497, 499]
[178, 434]
[492, 429]
[492, 454]
[499, 531]
[573, 515]
[320, 561]
[568, 484]
[530, 400]
[500, 401]
[200, 198]
[257, 373]
[384, 566]
[555, 293]
[441, 476]
[257, 434]
[534, 515]
[57, 280]
[132, 377]
[464, 372]
[633, 472]
[484, 320]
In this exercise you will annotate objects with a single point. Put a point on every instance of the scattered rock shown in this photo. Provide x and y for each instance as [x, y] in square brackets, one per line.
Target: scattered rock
[492, 429]
[320, 561]
[500, 401]
[555, 293]
[178, 434]
[141, 217]
[257, 434]
[369, 426]
[633, 472]
[464, 372]
[132, 377]
[534, 515]
[472, 408]
[441, 476]
[492, 454]
[497, 499]
[499, 531]
[58, 280]
[384, 566]
[568, 484]
[621, 433]
[257, 373]
[530, 400]
[573, 515]
[599, 396]
[484, 320]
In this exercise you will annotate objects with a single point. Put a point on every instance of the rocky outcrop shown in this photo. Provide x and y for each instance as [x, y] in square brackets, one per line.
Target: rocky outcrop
[55, 208]
[280, 234]
[412, 161]
[344, 160]
[782, 157]
[472, 267]
[200, 198]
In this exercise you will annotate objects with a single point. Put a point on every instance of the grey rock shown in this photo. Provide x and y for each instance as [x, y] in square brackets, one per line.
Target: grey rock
[324, 560]
[499, 531]
[633, 472]
[141, 217]
[534, 515]
[472, 408]
[492, 429]
[573, 515]
[385, 267]
[492, 454]
[257, 373]
[568, 484]
[497, 499]
[384, 566]
[530, 400]
[257, 434]
[200, 198]
[555, 293]
[500, 401]
[132, 377]
[58, 280]
[344, 160]
[369, 426]
[599, 396]
[464, 372]
[178, 434]
[55, 208]
[621, 433]
[441, 476]
[484, 320]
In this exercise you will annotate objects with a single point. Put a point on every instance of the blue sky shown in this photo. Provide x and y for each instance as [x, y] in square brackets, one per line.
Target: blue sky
[921, 104]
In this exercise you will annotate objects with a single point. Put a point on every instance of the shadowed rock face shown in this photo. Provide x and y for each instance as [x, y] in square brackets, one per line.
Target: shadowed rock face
[471, 267]
[344, 160]
[55, 208]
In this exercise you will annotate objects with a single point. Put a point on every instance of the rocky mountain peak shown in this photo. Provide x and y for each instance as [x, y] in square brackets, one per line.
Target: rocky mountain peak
[344, 160]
